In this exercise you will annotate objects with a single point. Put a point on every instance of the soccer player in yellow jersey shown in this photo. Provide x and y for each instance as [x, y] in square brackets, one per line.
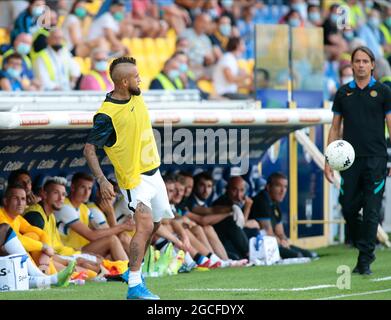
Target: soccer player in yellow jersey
[122, 127]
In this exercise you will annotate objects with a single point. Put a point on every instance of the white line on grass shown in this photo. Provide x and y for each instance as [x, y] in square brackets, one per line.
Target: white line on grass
[381, 279]
[322, 286]
[355, 294]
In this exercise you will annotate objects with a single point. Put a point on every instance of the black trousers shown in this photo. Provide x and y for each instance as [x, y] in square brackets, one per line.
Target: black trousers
[233, 238]
[294, 252]
[362, 186]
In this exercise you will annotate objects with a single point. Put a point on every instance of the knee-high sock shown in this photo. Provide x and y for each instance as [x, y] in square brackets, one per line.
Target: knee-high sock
[13, 246]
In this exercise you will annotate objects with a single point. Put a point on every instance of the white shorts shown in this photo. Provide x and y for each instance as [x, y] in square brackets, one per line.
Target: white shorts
[152, 193]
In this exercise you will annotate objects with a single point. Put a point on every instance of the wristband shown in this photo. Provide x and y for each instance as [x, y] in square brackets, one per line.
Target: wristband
[100, 178]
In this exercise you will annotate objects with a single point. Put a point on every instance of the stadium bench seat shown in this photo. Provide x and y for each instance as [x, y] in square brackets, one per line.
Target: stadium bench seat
[4, 36]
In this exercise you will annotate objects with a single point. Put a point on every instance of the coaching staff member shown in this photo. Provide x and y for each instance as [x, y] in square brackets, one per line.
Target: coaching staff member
[363, 104]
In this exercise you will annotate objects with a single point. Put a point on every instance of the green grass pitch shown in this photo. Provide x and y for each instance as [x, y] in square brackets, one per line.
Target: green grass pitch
[315, 280]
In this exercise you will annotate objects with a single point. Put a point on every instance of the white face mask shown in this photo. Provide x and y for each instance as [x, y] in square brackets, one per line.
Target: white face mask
[347, 79]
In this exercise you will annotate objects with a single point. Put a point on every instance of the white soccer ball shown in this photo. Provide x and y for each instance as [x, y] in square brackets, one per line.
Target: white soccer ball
[340, 155]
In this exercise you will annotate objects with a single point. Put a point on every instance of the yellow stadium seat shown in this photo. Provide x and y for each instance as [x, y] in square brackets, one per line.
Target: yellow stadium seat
[93, 7]
[4, 36]
[136, 46]
[149, 47]
[60, 21]
[206, 86]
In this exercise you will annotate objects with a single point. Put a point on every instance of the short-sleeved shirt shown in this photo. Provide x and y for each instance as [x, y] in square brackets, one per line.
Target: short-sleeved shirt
[98, 217]
[363, 112]
[68, 215]
[220, 83]
[193, 201]
[98, 26]
[264, 209]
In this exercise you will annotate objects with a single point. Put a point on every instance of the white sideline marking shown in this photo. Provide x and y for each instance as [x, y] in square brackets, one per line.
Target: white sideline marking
[354, 294]
[322, 286]
[381, 279]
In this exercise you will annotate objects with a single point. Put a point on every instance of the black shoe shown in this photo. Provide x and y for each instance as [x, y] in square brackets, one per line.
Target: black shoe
[365, 270]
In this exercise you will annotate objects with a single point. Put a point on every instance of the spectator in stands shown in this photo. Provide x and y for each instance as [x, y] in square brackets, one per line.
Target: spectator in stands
[227, 76]
[345, 73]
[54, 65]
[10, 244]
[107, 27]
[201, 53]
[334, 42]
[22, 45]
[299, 6]
[189, 183]
[11, 76]
[40, 37]
[193, 7]
[41, 215]
[370, 33]
[231, 235]
[385, 29]
[22, 177]
[97, 79]
[246, 27]
[221, 35]
[73, 221]
[145, 18]
[33, 239]
[186, 76]
[9, 11]
[382, 71]
[175, 16]
[26, 22]
[267, 212]
[314, 16]
[293, 19]
[168, 78]
[231, 9]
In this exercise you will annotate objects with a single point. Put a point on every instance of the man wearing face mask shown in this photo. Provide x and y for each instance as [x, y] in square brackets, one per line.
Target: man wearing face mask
[22, 45]
[10, 75]
[385, 29]
[26, 22]
[221, 35]
[54, 66]
[168, 78]
[314, 16]
[107, 27]
[97, 79]
[371, 35]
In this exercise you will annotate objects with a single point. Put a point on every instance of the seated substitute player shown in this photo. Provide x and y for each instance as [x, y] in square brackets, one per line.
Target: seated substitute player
[74, 218]
[267, 212]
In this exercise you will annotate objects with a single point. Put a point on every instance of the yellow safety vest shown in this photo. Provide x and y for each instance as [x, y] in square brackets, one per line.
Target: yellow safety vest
[167, 84]
[50, 227]
[26, 59]
[386, 32]
[42, 31]
[72, 238]
[48, 64]
[135, 150]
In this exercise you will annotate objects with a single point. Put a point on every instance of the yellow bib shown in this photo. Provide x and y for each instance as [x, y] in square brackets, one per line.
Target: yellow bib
[135, 150]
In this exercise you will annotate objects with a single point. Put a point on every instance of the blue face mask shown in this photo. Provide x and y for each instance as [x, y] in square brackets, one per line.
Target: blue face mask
[23, 48]
[213, 13]
[374, 22]
[14, 73]
[314, 16]
[300, 7]
[183, 68]
[101, 66]
[80, 12]
[119, 16]
[294, 22]
[37, 11]
[349, 35]
[227, 3]
[334, 18]
[225, 30]
[174, 74]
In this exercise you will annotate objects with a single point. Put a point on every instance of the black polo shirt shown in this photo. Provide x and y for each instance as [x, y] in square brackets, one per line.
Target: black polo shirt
[264, 209]
[363, 112]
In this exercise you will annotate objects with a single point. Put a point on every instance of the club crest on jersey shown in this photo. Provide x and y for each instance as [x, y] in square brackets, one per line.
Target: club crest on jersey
[373, 93]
